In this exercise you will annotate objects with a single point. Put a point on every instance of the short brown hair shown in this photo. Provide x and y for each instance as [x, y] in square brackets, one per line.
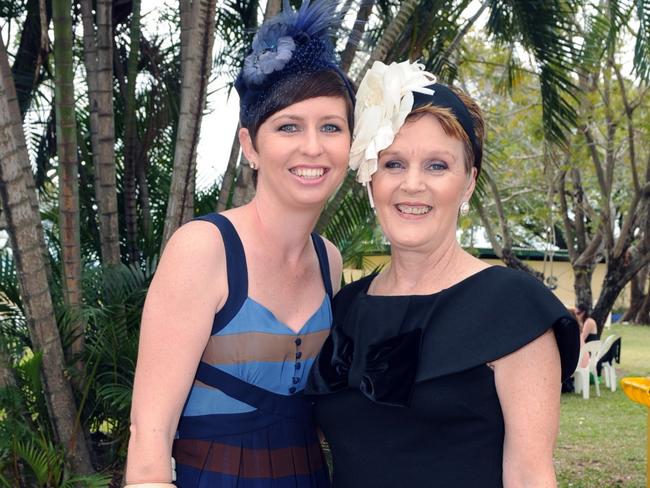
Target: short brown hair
[452, 127]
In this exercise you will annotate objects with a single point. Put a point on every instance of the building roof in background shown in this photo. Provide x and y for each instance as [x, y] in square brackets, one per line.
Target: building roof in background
[529, 254]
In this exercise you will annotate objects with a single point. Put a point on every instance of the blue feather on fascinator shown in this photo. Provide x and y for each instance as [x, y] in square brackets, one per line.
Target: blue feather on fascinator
[277, 40]
[286, 47]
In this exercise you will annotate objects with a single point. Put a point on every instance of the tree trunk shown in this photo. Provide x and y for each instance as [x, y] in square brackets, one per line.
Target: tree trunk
[365, 9]
[32, 52]
[24, 58]
[453, 46]
[273, 8]
[619, 272]
[130, 136]
[637, 295]
[27, 242]
[7, 378]
[504, 251]
[98, 58]
[392, 32]
[66, 141]
[512, 261]
[143, 193]
[197, 63]
[244, 188]
[643, 316]
[230, 173]
[582, 286]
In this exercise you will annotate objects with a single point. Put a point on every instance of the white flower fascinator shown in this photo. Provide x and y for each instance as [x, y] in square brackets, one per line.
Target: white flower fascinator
[384, 99]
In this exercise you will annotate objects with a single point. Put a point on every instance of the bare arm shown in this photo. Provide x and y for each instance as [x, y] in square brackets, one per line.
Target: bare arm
[590, 327]
[189, 286]
[528, 385]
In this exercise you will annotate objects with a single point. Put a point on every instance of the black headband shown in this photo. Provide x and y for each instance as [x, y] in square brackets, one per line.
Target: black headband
[444, 97]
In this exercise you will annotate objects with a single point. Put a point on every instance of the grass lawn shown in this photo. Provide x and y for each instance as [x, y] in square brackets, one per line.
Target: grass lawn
[602, 441]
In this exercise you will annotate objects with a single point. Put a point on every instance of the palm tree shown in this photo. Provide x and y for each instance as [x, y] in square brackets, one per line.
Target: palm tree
[27, 243]
[6, 374]
[237, 22]
[130, 138]
[197, 38]
[66, 132]
[98, 58]
[31, 56]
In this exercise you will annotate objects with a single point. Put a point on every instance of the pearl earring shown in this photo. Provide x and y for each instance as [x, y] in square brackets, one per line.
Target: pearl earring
[252, 165]
[464, 208]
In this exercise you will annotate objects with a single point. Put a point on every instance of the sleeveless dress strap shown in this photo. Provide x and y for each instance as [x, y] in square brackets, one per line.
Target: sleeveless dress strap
[323, 261]
[236, 269]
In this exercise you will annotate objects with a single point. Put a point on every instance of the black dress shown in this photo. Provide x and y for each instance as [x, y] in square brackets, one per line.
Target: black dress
[401, 387]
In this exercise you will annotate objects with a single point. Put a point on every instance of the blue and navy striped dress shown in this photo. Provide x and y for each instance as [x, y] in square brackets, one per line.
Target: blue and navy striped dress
[246, 423]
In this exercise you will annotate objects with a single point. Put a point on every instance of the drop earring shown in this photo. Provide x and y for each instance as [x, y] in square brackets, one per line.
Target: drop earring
[464, 208]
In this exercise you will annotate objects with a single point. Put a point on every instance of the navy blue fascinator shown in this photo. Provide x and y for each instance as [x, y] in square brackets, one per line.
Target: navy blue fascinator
[442, 96]
[291, 44]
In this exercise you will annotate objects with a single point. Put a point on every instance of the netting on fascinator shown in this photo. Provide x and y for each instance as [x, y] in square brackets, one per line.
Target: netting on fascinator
[285, 49]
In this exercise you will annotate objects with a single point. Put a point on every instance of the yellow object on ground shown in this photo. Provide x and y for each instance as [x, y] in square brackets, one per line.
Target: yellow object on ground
[638, 390]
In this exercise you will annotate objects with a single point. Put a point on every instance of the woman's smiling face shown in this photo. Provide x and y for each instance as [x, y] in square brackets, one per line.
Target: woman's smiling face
[302, 151]
[420, 184]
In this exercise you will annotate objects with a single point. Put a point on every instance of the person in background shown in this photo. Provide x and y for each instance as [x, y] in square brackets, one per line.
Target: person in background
[240, 303]
[588, 327]
[440, 371]
[588, 330]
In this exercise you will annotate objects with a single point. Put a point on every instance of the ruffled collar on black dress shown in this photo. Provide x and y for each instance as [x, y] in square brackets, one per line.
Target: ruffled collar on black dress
[385, 345]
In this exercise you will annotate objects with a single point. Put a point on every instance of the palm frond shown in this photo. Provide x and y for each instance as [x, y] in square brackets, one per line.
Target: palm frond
[351, 229]
[545, 29]
[97, 480]
[642, 45]
[42, 458]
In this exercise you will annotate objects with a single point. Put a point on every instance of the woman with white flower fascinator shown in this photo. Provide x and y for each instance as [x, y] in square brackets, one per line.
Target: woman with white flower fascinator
[240, 303]
[439, 371]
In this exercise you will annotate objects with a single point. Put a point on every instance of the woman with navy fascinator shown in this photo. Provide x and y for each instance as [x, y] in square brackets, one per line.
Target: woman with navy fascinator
[440, 371]
[240, 303]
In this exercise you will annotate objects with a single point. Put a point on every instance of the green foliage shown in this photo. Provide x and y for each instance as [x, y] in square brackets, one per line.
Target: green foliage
[27, 448]
[523, 72]
[352, 228]
[552, 46]
[13, 328]
[642, 45]
[113, 300]
[12, 9]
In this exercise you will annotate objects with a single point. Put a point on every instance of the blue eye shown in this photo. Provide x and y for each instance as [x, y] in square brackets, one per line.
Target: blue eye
[330, 128]
[436, 165]
[290, 128]
[393, 164]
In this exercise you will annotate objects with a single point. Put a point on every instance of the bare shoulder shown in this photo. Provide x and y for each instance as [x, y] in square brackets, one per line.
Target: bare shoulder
[194, 258]
[591, 324]
[195, 236]
[336, 264]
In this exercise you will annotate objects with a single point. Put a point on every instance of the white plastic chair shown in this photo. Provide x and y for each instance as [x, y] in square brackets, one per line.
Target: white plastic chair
[581, 375]
[609, 371]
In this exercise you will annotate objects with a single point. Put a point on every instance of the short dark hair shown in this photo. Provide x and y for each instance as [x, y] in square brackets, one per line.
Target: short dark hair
[294, 89]
[584, 309]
